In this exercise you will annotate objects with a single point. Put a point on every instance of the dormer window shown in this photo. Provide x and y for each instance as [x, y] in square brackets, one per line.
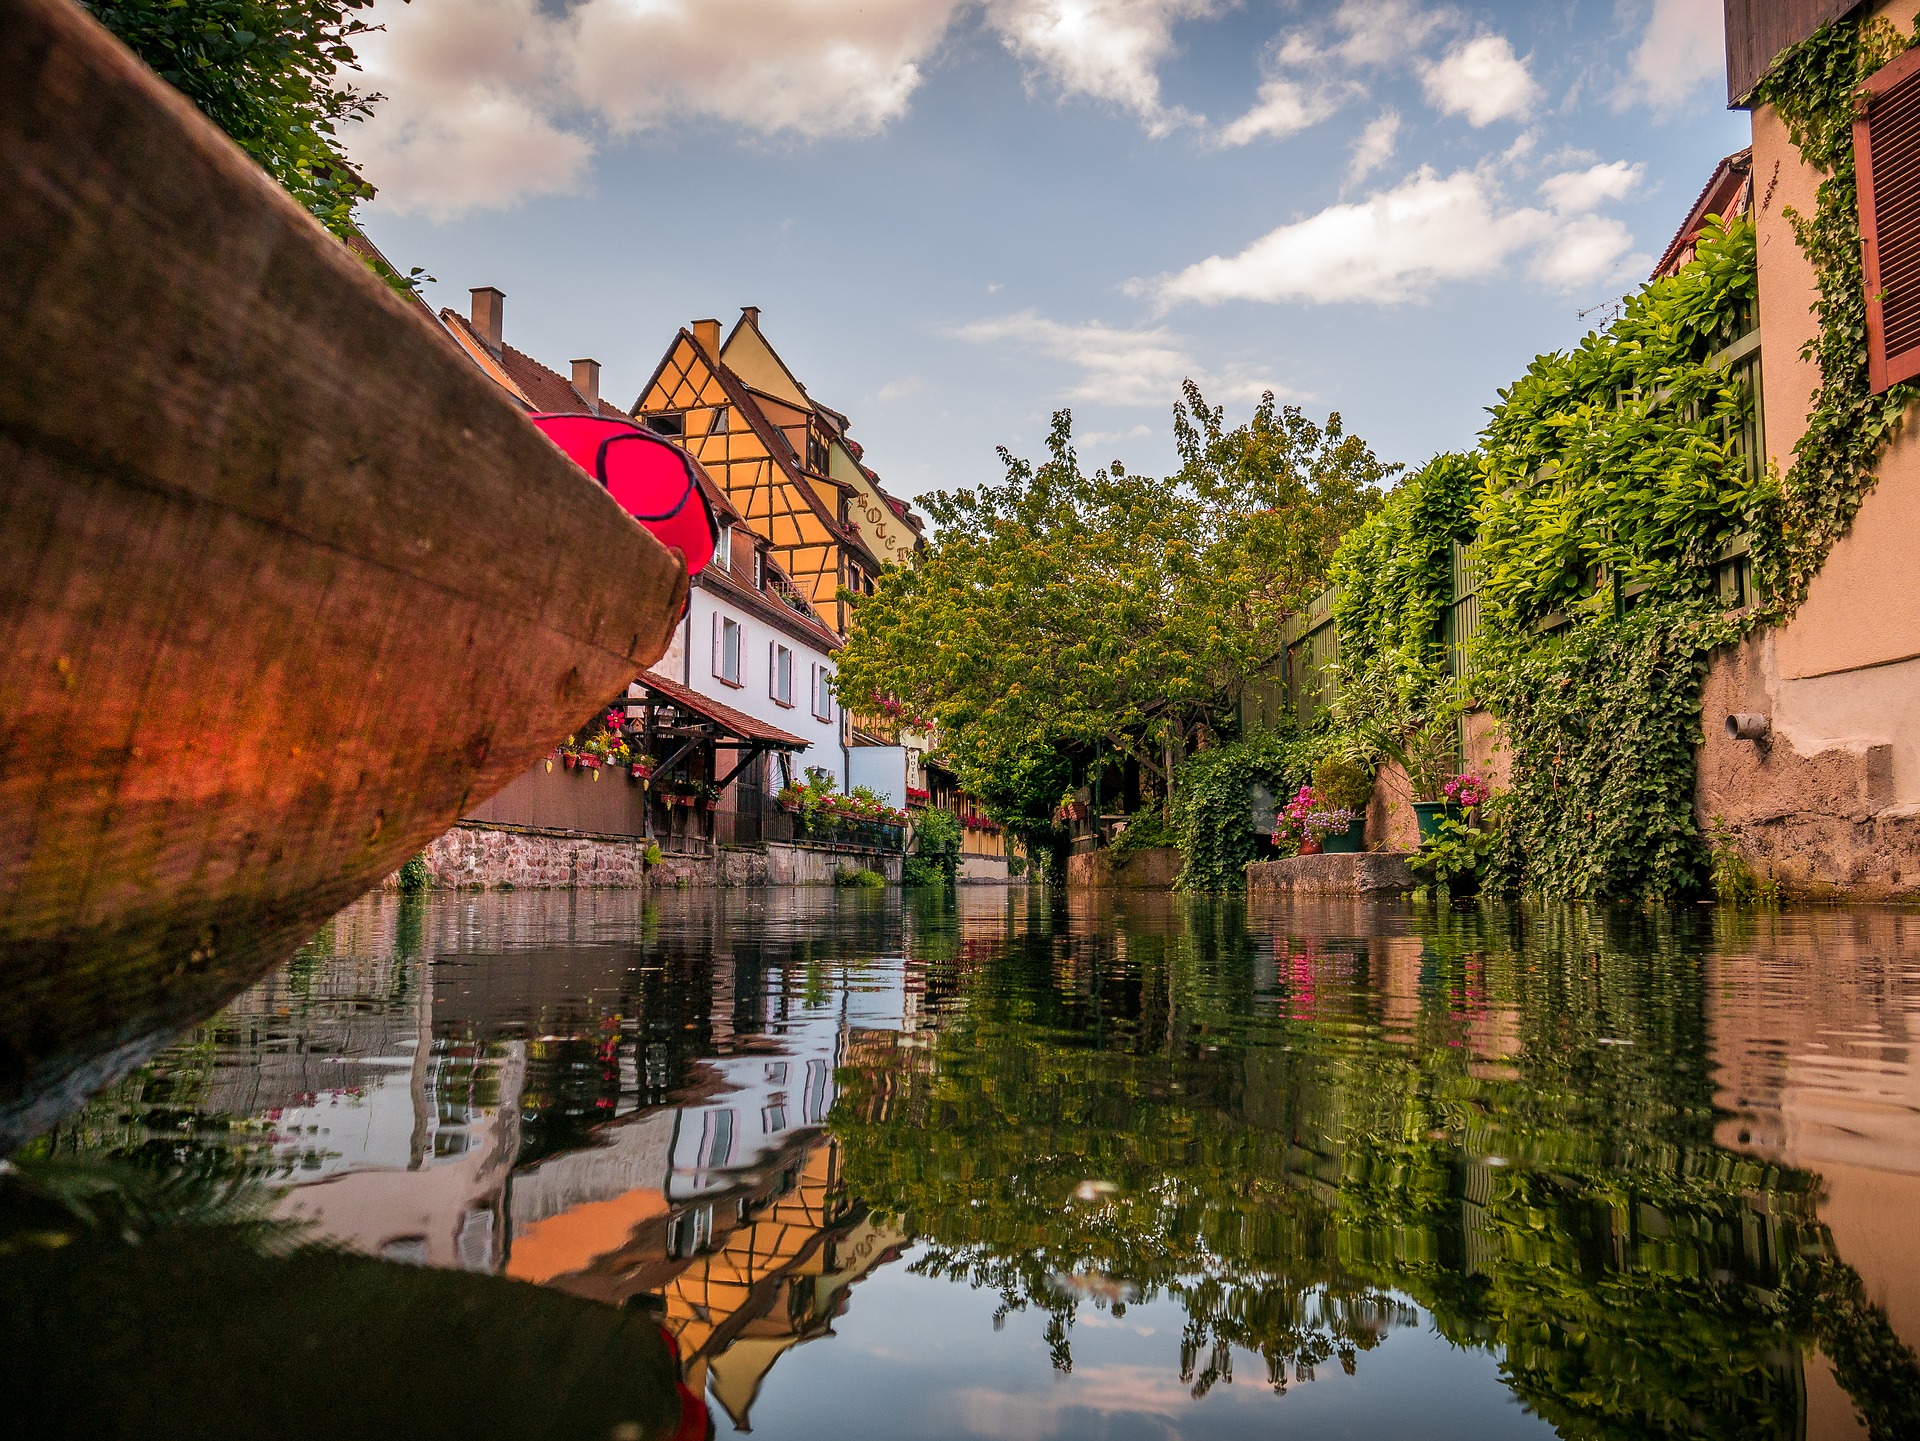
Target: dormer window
[723, 549]
[759, 569]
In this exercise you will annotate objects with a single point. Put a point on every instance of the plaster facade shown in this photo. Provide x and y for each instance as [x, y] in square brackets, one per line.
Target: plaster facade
[1831, 798]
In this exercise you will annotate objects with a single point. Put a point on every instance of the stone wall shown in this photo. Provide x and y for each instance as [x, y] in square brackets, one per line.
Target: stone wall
[488, 857]
[1143, 870]
[1378, 873]
[1815, 810]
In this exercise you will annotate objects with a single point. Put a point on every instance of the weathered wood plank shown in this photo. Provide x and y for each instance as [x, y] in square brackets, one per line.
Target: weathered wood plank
[285, 584]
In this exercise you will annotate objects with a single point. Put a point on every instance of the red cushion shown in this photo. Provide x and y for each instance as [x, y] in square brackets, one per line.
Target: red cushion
[654, 479]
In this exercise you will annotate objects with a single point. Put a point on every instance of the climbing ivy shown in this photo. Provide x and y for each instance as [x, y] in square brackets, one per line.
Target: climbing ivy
[1394, 574]
[1210, 814]
[1602, 721]
[1813, 87]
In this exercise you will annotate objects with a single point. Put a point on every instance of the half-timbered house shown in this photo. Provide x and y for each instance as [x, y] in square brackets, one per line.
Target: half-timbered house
[784, 460]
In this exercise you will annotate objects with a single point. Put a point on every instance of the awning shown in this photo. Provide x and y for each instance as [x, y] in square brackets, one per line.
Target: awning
[733, 723]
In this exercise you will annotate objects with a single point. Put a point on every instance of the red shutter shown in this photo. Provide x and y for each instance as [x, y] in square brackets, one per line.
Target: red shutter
[1886, 157]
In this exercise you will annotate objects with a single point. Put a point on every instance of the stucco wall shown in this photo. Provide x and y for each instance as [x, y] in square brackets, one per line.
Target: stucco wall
[1145, 870]
[1833, 797]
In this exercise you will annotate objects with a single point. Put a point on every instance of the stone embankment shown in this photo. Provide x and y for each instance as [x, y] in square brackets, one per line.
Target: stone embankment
[1369, 873]
[485, 857]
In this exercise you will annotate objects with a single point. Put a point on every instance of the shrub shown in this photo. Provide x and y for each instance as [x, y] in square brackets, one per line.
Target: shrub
[1343, 783]
[414, 876]
[860, 879]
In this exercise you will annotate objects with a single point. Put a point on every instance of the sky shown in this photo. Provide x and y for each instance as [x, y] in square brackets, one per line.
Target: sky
[958, 216]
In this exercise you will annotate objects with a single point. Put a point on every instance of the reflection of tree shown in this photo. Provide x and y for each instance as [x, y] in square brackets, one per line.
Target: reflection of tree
[1526, 1150]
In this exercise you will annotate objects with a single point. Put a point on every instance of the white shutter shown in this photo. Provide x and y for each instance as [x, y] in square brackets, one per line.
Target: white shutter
[717, 633]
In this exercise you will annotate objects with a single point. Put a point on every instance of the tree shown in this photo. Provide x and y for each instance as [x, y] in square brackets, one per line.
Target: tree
[1063, 611]
[269, 73]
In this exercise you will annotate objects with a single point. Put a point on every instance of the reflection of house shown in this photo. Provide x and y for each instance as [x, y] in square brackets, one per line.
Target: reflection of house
[783, 459]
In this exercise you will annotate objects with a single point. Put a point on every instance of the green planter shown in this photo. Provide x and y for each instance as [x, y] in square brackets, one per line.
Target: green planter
[1347, 842]
[1429, 814]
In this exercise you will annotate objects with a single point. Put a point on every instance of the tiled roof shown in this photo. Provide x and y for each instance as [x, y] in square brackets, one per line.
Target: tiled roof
[1723, 191]
[775, 611]
[543, 389]
[733, 722]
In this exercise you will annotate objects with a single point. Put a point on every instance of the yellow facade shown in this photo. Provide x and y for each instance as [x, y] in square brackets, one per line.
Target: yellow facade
[783, 459]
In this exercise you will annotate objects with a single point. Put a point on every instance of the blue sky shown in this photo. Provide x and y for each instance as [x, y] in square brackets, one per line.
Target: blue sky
[959, 215]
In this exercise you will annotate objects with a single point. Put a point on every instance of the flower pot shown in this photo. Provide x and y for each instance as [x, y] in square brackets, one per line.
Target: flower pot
[1309, 848]
[571, 761]
[1430, 813]
[1347, 842]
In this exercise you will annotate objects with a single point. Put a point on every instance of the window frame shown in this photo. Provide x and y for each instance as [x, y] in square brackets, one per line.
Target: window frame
[822, 693]
[723, 626]
[776, 653]
[1883, 370]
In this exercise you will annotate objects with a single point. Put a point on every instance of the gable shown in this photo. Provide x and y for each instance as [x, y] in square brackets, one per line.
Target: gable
[747, 354]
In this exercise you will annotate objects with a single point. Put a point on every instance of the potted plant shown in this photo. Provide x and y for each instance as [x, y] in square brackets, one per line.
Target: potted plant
[1344, 785]
[1335, 831]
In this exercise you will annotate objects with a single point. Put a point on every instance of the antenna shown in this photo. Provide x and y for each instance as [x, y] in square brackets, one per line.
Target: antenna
[1608, 310]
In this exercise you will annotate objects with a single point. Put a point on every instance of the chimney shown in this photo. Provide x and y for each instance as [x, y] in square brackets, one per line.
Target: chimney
[586, 380]
[751, 313]
[488, 320]
[707, 334]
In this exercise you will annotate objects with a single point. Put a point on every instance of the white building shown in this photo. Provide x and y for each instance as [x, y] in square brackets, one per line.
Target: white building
[749, 641]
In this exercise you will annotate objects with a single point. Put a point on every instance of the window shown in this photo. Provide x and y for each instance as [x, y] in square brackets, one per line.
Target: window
[726, 650]
[1886, 155]
[780, 673]
[822, 693]
[671, 424]
[718, 425]
[816, 452]
[723, 549]
[759, 569]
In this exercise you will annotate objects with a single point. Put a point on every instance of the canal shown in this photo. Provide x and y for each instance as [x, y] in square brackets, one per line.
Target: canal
[1003, 1164]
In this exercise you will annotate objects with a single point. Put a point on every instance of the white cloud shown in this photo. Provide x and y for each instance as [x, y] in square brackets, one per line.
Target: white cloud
[1577, 191]
[1684, 46]
[465, 123]
[1091, 438]
[1106, 49]
[1374, 146]
[1481, 79]
[1118, 366]
[1285, 107]
[900, 389]
[1402, 244]
[1379, 32]
[1586, 250]
[491, 101]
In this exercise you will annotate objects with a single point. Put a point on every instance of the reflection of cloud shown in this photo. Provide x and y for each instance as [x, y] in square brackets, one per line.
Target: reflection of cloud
[1147, 1394]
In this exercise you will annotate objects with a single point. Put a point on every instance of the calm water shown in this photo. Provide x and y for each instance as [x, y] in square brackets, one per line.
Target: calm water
[1009, 1165]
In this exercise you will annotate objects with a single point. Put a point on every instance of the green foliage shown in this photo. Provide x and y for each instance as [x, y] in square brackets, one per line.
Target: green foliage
[414, 875]
[936, 848]
[1602, 722]
[1343, 783]
[1455, 857]
[1211, 814]
[653, 855]
[1146, 830]
[1813, 86]
[1734, 879]
[270, 74]
[859, 878]
[1064, 611]
[1395, 576]
[1620, 455]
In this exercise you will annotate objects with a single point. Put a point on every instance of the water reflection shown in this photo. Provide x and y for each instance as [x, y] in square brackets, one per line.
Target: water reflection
[1072, 1167]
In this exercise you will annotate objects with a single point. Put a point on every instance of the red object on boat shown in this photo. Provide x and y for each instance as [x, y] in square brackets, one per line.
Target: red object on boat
[654, 480]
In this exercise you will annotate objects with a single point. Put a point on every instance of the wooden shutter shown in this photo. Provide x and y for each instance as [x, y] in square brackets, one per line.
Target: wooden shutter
[716, 643]
[1886, 157]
